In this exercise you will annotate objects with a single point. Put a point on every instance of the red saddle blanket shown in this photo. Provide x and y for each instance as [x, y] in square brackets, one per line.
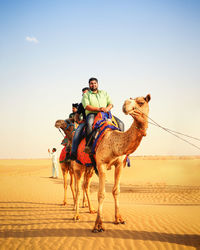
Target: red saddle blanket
[82, 157]
[65, 143]
[62, 155]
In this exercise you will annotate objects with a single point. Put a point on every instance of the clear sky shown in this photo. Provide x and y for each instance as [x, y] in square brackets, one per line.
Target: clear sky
[49, 50]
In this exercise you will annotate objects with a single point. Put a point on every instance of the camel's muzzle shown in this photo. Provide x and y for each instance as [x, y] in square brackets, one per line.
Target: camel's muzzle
[128, 106]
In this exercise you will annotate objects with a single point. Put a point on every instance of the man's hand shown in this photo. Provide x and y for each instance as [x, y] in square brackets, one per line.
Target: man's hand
[103, 109]
[48, 150]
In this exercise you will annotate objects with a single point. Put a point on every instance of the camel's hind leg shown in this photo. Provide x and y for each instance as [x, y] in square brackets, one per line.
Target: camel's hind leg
[78, 173]
[86, 187]
[116, 192]
[64, 168]
[84, 203]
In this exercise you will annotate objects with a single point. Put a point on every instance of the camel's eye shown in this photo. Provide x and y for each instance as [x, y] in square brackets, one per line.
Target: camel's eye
[140, 103]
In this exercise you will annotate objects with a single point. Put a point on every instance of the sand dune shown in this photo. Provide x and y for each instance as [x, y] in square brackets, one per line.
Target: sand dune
[160, 200]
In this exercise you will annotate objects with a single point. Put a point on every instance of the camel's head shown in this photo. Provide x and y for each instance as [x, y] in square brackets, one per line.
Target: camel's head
[68, 126]
[138, 108]
[64, 123]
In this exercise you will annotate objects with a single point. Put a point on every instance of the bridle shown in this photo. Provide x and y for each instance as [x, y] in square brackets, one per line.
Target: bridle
[66, 128]
[69, 125]
[142, 130]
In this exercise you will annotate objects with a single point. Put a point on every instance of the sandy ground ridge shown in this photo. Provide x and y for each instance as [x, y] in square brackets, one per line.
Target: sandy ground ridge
[160, 200]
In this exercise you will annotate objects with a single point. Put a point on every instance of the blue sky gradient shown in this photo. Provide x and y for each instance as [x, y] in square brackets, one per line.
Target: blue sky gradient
[132, 47]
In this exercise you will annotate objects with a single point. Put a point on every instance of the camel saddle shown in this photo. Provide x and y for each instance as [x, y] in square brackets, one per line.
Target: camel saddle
[102, 122]
[65, 153]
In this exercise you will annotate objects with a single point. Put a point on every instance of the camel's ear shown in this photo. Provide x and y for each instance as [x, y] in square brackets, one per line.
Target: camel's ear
[148, 98]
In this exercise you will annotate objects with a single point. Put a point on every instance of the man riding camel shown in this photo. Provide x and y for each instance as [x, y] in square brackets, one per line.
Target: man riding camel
[74, 110]
[95, 101]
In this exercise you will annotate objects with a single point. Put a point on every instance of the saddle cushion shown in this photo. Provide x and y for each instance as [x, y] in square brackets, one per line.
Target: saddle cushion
[62, 155]
[103, 121]
[82, 157]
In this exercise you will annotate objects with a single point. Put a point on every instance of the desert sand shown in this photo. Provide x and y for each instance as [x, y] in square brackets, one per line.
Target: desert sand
[160, 200]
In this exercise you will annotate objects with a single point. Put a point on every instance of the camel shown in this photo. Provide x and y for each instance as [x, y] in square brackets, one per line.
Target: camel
[68, 127]
[112, 151]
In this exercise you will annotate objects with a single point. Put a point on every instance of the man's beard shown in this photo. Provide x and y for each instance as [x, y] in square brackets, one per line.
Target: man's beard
[94, 88]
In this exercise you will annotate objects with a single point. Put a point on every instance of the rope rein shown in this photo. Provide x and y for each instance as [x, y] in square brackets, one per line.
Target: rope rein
[61, 132]
[172, 132]
[178, 132]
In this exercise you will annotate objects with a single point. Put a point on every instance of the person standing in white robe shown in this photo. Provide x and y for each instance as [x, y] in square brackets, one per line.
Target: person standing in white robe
[53, 156]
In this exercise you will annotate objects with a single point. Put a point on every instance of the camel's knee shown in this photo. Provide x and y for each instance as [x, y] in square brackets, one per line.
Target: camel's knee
[83, 186]
[86, 186]
[78, 192]
[71, 185]
[101, 195]
[71, 182]
[115, 191]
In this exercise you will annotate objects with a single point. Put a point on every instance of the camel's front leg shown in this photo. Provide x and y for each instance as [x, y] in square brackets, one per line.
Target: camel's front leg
[78, 173]
[116, 192]
[71, 172]
[84, 202]
[87, 179]
[98, 227]
[64, 172]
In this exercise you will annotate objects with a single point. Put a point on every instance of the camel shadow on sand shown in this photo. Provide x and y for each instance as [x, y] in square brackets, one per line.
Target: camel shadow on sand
[42, 216]
[192, 240]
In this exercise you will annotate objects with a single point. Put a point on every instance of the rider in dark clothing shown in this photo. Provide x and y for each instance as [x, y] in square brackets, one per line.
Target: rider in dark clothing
[77, 136]
[74, 110]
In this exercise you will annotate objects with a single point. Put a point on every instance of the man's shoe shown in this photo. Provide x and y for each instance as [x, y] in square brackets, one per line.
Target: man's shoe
[87, 150]
[73, 157]
[128, 162]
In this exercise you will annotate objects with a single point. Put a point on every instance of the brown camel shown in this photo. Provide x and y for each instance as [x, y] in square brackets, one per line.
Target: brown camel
[112, 150]
[68, 127]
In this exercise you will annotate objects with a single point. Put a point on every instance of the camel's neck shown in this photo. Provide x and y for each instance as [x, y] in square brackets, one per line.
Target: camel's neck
[132, 137]
[68, 134]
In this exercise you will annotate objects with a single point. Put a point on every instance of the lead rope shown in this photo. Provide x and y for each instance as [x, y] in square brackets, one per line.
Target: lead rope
[61, 132]
[171, 131]
[66, 128]
[178, 132]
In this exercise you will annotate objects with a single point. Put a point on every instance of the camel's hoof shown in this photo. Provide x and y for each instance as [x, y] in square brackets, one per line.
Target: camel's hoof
[95, 231]
[119, 222]
[93, 211]
[64, 203]
[98, 230]
[76, 217]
